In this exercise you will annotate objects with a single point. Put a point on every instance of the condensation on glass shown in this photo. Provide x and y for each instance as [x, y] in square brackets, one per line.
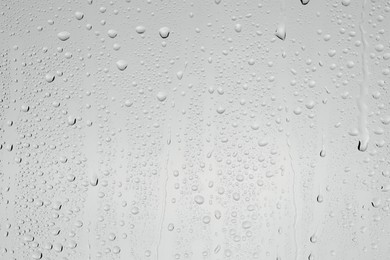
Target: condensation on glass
[218, 129]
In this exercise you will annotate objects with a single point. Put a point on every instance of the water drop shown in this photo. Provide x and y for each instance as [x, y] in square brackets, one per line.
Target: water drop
[79, 15]
[199, 199]
[281, 32]
[164, 32]
[63, 36]
[112, 33]
[140, 29]
[346, 2]
[121, 64]
[49, 77]
[161, 96]
[220, 110]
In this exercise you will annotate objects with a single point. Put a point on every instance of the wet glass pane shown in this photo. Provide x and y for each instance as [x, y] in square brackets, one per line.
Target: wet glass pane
[194, 130]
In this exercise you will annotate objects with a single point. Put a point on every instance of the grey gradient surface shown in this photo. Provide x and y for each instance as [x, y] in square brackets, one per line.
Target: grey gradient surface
[216, 129]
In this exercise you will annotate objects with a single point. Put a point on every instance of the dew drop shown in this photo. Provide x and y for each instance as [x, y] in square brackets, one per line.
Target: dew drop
[63, 36]
[164, 32]
[121, 64]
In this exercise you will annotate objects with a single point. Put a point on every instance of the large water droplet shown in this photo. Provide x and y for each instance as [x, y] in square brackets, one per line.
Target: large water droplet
[121, 64]
[164, 32]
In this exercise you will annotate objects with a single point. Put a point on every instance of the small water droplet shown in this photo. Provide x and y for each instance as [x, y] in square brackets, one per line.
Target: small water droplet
[161, 96]
[63, 36]
[140, 29]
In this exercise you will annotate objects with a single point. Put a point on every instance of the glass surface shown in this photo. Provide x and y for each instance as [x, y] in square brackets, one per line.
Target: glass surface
[204, 129]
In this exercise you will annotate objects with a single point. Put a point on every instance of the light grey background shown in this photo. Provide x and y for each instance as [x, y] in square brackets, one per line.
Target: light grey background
[236, 137]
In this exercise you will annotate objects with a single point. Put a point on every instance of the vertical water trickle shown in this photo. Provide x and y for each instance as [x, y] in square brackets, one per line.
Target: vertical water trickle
[281, 34]
[281, 29]
[294, 197]
[164, 206]
[323, 150]
[362, 102]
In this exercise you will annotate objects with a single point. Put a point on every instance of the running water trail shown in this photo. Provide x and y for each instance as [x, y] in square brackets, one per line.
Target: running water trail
[362, 100]
[281, 33]
[164, 199]
[294, 199]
